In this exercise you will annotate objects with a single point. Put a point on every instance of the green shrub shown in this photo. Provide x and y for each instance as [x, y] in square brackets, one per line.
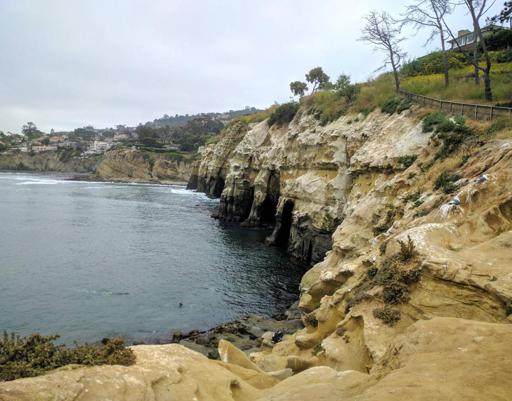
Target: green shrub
[283, 114]
[446, 182]
[446, 126]
[451, 141]
[388, 315]
[432, 64]
[412, 197]
[498, 40]
[407, 160]
[432, 120]
[405, 104]
[391, 105]
[452, 132]
[35, 354]
[504, 57]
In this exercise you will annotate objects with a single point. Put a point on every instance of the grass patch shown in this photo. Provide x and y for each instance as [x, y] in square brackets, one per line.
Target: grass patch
[36, 354]
[373, 94]
[326, 106]
[258, 116]
[462, 88]
[499, 125]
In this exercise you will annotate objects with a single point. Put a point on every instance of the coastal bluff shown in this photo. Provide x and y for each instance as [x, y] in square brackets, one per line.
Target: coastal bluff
[408, 232]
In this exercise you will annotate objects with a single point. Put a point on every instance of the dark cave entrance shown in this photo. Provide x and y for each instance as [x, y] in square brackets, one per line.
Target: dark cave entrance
[286, 224]
[269, 206]
[218, 187]
[268, 210]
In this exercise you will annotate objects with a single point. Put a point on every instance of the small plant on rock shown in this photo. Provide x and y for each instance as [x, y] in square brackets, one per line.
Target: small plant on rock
[388, 315]
[386, 222]
[407, 250]
[407, 160]
[311, 320]
[446, 182]
[35, 354]
[390, 106]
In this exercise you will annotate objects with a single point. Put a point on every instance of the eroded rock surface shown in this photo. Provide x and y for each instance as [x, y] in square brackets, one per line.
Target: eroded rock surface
[139, 166]
[412, 301]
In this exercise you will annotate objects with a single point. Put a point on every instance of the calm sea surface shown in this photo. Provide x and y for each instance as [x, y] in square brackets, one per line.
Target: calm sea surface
[90, 260]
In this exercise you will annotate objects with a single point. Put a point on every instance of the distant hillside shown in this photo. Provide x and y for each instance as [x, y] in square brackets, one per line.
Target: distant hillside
[181, 120]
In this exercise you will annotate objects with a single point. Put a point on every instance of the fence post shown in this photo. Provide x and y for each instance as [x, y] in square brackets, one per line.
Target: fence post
[476, 111]
[441, 103]
[492, 113]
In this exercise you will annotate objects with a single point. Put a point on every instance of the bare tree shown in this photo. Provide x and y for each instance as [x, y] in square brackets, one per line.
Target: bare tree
[477, 9]
[383, 32]
[430, 14]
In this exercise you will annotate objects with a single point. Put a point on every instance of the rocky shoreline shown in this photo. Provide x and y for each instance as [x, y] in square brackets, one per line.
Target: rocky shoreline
[248, 333]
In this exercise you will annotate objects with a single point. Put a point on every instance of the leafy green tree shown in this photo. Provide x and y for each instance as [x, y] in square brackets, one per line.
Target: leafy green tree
[30, 130]
[298, 88]
[148, 136]
[318, 78]
[345, 88]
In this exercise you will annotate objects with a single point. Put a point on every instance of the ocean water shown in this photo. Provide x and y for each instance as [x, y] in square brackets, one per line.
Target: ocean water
[88, 260]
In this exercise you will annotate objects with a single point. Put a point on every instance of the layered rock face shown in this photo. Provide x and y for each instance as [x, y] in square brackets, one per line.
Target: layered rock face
[405, 254]
[413, 300]
[137, 166]
[48, 161]
[289, 178]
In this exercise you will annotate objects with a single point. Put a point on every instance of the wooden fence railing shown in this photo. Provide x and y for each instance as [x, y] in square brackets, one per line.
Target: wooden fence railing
[477, 111]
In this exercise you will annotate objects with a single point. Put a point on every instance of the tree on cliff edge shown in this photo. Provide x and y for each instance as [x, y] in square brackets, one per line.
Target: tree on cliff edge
[430, 14]
[298, 88]
[383, 32]
[318, 78]
[477, 9]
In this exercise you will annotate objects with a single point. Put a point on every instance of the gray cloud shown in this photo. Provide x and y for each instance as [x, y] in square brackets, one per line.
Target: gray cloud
[67, 64]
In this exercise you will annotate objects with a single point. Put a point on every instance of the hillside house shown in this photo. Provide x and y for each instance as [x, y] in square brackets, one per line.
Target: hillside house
[467, 40]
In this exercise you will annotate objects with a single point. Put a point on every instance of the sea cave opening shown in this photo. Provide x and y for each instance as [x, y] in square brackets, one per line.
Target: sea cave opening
[286, 224]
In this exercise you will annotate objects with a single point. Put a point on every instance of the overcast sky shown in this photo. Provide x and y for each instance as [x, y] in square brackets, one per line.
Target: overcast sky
[70, 63]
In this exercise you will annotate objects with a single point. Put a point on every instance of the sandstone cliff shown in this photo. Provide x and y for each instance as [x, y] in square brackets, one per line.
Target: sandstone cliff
[411, 301]
[140, 166]
[48, 161]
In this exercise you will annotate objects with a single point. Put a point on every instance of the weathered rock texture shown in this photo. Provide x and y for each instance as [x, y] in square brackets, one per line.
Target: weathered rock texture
[413, 300]
[438, 359]
[138, 166]
[48, 161]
